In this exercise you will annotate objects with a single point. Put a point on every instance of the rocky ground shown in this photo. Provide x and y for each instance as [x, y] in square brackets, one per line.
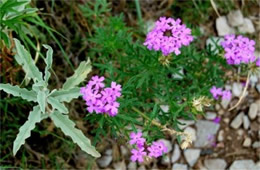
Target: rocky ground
[222, 139]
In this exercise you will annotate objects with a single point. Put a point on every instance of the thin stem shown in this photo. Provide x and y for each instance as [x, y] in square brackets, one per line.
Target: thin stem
[138, 10]
[243, 93]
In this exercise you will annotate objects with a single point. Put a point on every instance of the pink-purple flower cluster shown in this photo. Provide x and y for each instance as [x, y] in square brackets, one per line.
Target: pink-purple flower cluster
[169, 36]
[100, 99]
[155, 150]
[238, 49]
[218, 92]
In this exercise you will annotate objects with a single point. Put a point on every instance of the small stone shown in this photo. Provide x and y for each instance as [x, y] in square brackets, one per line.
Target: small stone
[226, 120]
[240, 132]
[217, 106]
[237, 121]
[243, 164]
[258, 88]
[132, 166]
[185, 123]
[221, 112]
[168, 144]
[124, 150]
[176, 153]
[247, 26]
[141, 168]
[235, 18]
[191, 156]
[192, 132]
[204, 130]
[218, 164]
[178, 166]
[237, 89]
[109, 152]
[225, 103]
[166, 160]
[221, 135]
[104, 161]
[246, 122]
[247, 142]
[210, 115]
[256, 144]
[120, 166]
[253, 111]
[253, 80]
[222, 26]
[165, 108]
[212, 42]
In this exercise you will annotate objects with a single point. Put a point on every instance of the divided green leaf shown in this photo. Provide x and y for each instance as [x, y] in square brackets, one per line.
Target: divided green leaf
[57, 105]
[48, 60]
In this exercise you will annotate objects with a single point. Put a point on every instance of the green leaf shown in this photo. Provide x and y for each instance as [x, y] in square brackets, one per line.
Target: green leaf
[48, 62]
[80, 74]
[66, 95]
[19, 92]
[35, 116]
[41, 99]
[68, 128]
[57, 105]
[24, 58]
[4, 37]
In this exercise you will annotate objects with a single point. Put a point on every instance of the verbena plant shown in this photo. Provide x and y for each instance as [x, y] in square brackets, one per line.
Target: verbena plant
[49, 103]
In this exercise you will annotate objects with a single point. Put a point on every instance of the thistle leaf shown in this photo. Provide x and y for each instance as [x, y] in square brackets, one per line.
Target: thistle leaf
[66, 95]
[24, 58]
[41, 99]
[19, 92]
[48, 60]
[80, 74]
[25, 130]
[57, 105]
[68, 128]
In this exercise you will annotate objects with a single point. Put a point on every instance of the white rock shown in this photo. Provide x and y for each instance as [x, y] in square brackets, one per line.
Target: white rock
[141, 168]
[222, 26]
[204, 130]
[256, 144]
[258, 88]
[253, 111]
[178, 166]
[243, 165]
[165, 108]
[185, 123]
[176, 153]
[166, 160]
[215, 164]
[221, 135]
[237, 121]
[210, 115]
[191, 156]
[192, 132]
[253, 80]
[247, 26]
[168, 144]
[109, 152]
[132, 166]
[240, 132]
[124, 150]
[120, 166]
[235, 18]
[104, 161]
[237, 89]
[213, 42]
[247, 142]
[246, 122]
[225, 102]
[180, 74]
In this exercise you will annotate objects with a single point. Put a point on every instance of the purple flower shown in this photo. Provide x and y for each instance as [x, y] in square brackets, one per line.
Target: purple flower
[137, 155]
[168, 36]
[238, 49]
[226, 95]
[99, 99]
[157, 149]
[136, 138]
[217, 120]
[257, 63]
[216, 92]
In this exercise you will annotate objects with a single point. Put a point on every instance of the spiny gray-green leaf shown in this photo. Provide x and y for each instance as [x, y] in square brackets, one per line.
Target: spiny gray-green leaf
[80, 74]
[41, 99]
[19, 92]
[24, 58]
[68, 128]
[26, 128]
[66, 95]
[48, 61]
[57, 105]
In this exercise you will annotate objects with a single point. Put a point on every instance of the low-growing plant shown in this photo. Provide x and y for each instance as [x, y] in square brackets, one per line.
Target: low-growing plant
[49, 103]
